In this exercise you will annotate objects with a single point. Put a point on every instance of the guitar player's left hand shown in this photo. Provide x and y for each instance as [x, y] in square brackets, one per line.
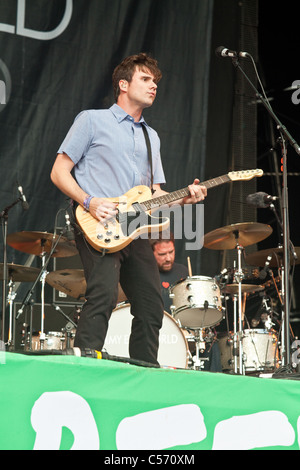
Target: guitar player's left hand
[197, 193]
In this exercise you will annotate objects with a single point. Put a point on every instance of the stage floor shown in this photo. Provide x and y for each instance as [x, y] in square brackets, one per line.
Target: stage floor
[68, 402]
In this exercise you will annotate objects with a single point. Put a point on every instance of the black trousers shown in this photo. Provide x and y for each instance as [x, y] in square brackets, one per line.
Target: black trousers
[136, 269]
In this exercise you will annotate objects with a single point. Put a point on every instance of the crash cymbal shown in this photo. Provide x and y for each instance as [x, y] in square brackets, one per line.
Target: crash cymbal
[72, 282]
[259, 258]
[245, 234]
[246, 288]
[37, 242]
[18, 273]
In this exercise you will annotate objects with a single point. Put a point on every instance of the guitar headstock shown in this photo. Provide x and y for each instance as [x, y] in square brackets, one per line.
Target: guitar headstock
[245, 175]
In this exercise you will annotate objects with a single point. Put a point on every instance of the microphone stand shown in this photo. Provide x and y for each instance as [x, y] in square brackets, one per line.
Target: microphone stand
[286, 244]
[4, 216]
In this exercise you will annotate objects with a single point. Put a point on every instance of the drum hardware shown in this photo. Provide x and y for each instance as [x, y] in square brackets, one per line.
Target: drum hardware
[15, 273]
[46, 245]
[274, 257]
[4, 219]
[237, 236]
[200, 348]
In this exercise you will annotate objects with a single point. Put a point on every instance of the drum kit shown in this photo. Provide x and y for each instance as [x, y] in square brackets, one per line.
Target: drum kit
[197, 304]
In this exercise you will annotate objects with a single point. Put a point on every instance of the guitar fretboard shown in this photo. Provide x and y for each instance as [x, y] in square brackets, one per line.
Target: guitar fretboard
[181, 193]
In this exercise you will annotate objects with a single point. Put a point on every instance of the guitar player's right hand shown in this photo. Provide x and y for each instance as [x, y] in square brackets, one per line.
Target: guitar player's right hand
[102, 209]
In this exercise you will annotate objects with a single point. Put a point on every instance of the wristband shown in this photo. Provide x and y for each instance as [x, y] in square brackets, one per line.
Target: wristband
[86, 203]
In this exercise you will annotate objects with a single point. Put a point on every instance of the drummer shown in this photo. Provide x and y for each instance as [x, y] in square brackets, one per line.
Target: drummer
[171, 273]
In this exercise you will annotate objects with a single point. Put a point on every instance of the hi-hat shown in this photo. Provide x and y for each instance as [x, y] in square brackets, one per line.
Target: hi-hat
[18, 273]
[226, 238]
[72, 282]
[259, 258]
[36, 243]
[246, 288]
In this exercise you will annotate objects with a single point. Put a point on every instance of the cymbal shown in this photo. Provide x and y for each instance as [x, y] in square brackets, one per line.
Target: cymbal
[245, 234]
[259, 258]
[18, 273]
[37, 242]
[72, 282]
[246, 288]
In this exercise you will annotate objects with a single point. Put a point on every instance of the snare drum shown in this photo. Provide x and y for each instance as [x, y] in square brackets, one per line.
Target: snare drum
[173, 348]
[52, 340]
[197, 302]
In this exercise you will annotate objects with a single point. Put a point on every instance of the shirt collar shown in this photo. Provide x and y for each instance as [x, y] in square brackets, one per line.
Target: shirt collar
[121, 115]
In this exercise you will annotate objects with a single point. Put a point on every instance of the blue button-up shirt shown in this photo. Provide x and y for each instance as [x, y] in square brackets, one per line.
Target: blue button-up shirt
[109, 152]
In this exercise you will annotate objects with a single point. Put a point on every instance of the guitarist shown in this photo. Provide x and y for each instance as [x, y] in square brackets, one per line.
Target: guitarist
[107, 151]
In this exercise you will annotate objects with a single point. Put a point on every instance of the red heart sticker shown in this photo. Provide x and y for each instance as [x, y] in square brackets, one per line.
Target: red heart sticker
[165, 285]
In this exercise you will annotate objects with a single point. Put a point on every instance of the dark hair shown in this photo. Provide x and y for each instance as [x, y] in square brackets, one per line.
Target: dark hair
[163, 237]
[126, 69]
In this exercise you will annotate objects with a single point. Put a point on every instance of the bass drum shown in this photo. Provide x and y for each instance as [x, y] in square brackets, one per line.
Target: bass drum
[173, 348]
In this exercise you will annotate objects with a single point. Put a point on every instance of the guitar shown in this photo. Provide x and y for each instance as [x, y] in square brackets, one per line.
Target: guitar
[134, 209]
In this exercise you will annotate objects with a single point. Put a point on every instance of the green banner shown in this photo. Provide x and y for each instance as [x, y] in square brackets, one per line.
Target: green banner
[67, 402]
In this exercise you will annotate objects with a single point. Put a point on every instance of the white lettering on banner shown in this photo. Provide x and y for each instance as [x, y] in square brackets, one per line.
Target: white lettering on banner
[178, 425]
[264, 429]
[32, 33]
[2, 92]
[5, 90]
[296, 94]
[53, 410]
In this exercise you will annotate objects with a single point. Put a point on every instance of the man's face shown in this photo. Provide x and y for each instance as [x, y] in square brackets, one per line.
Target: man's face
[141, 90]
[165, 255]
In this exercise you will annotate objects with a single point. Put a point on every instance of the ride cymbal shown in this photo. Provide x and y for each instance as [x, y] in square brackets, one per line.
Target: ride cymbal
[246, 288]
[35, 243]
[245, 234]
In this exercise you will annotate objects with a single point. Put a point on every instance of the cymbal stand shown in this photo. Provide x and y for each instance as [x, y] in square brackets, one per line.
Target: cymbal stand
[43, 282]
[10, 297]
[200, 347]
[235, 335]
[239, 275]
[4, 217]
[42, 277]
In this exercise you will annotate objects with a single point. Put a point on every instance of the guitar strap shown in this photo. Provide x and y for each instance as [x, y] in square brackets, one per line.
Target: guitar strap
[148, 144]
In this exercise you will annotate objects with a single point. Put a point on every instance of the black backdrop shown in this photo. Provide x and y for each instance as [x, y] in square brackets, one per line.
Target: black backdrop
[57, 58]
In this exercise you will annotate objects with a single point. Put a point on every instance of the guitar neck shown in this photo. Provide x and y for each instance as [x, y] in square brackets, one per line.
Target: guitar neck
[181, 193]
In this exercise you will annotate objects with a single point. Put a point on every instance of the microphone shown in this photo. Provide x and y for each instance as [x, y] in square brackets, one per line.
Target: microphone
[224, 52]
[70, 232]
[25, 204]
[266, 269]
[260, 200]
[222, 274]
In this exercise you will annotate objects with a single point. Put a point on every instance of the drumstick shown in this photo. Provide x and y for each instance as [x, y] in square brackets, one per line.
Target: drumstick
[189, 266]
